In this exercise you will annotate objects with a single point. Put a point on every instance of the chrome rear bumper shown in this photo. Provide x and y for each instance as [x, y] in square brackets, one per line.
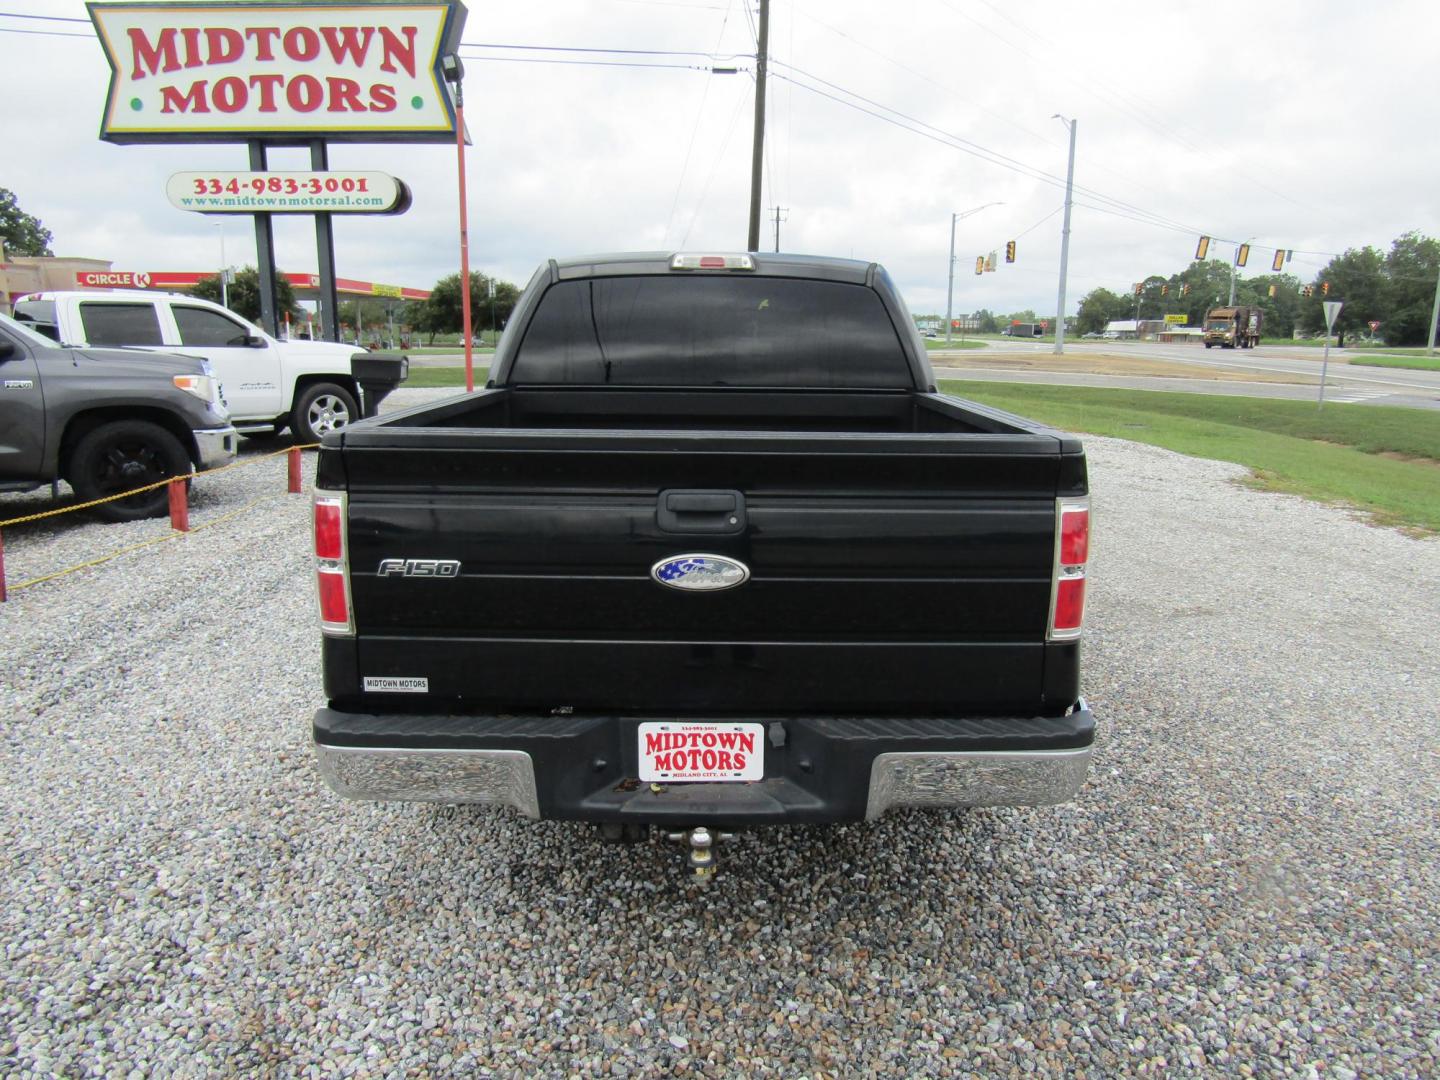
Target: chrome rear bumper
[978, 778]
[506, 777]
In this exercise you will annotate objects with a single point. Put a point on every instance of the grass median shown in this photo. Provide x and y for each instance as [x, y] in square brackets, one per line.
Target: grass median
[956, 343]
[1383, 461]
[1417, 363]
[427, 377]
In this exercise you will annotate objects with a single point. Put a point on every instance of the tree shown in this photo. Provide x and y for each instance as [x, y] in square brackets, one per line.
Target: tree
[1100, 307]
[1411, 267]
[442, 313]
[1358, 278]
[1283, 310]
[21, 234]
[244, 294]
[986, 322]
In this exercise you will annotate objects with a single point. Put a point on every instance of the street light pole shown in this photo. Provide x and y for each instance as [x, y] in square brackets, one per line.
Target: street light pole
[1065, 240]
[950, 287]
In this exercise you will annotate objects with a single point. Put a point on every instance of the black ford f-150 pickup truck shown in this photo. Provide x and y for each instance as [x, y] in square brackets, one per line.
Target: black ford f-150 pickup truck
[708, 551]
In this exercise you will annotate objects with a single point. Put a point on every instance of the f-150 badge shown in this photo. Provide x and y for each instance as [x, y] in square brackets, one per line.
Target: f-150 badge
[441, 568]
[700, 573]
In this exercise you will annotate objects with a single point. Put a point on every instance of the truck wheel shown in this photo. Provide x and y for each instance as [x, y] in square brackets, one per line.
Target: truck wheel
[321, 409]
[124, 455]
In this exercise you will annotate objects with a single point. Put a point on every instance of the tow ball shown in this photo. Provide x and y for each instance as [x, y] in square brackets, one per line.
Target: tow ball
[701, 858]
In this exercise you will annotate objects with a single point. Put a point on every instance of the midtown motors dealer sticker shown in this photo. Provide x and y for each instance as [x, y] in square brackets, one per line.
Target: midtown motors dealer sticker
[675, 751]
[391, 684]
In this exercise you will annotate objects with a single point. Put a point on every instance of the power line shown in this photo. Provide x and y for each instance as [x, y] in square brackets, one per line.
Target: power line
[1123, 102]
[586, 63]
[925, 78]
[596, 49]
[968, 146]
[714, 168]
[45, 33]
[695, 130]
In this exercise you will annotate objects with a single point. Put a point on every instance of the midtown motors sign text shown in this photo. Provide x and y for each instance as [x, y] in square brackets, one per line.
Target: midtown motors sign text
[218, 71]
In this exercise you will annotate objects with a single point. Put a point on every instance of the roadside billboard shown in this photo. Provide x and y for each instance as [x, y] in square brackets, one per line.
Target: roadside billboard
[220, 72]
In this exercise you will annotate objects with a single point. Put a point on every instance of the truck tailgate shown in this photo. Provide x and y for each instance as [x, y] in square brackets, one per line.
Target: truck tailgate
[889, 573]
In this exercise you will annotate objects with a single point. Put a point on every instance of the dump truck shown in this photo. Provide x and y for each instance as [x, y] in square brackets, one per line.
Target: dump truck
[1233, 327]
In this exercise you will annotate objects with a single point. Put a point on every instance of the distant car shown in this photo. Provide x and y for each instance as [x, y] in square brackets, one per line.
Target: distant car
[1093, 335]
[931, 334]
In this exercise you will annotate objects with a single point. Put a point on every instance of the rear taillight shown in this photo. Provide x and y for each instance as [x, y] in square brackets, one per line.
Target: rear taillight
[332, 569]
[1072, 552]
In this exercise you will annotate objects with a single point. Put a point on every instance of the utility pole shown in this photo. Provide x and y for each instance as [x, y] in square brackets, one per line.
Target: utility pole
[757, 153]
[778, 211]
[1065, 240]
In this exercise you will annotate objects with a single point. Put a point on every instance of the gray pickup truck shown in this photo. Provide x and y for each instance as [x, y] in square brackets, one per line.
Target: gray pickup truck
[105, 420]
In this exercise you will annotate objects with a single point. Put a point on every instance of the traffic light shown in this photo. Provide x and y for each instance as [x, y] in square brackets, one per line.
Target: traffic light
[1164, 290]
[1242, 254]
[1010, 251]
[1272, 290]
[1309, 290]
[1325, 288]
[1185, 289]
[1279, 262]
[1202, 247]
[1138, 286]
[979, 264]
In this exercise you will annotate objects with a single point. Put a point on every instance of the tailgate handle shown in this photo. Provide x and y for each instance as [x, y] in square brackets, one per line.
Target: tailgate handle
[701, 511]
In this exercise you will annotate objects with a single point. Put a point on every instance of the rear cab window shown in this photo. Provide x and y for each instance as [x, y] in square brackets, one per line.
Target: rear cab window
[118, 324]
[708, 330]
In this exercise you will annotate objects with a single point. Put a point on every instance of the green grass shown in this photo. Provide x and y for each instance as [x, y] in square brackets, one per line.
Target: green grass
[1336, 455]
[423, 377]
[955, 343]
[1419, 363]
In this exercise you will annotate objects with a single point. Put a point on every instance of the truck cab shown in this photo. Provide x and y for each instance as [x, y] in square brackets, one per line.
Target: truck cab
[312, 387]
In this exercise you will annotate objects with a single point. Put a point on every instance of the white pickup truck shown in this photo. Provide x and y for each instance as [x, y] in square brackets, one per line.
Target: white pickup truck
[311, 387]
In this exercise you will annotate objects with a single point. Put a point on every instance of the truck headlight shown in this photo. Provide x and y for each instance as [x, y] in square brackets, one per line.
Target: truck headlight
[206, 388]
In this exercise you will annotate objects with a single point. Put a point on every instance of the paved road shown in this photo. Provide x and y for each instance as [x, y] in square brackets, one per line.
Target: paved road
[1298, 367]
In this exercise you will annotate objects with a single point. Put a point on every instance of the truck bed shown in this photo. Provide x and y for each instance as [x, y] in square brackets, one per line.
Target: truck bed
[901, 547]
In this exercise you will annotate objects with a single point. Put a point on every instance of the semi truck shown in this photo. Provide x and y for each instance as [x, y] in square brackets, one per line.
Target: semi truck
[1233, 327]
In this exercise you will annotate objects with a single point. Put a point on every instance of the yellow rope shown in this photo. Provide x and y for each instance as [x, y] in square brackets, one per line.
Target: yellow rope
[143, 544]
[150, 487]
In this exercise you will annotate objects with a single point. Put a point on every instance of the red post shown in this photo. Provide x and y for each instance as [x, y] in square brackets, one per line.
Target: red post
[3, 596]
[179, 505]
[294, 463]
[459, 76]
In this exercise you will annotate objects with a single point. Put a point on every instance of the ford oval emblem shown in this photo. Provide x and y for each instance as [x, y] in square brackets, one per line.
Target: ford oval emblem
[700, 573]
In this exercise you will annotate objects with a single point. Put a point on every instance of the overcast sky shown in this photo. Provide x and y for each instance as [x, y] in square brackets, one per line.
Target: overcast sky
[1308, 126]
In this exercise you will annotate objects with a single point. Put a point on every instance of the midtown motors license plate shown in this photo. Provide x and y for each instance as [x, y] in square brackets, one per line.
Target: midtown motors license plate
[675, 751]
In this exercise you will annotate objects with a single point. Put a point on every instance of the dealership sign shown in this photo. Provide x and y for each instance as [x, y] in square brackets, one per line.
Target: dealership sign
[344, 192]
[217, 72]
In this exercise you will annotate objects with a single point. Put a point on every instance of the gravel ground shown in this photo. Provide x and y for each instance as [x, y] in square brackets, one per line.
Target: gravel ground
[1246, 886]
